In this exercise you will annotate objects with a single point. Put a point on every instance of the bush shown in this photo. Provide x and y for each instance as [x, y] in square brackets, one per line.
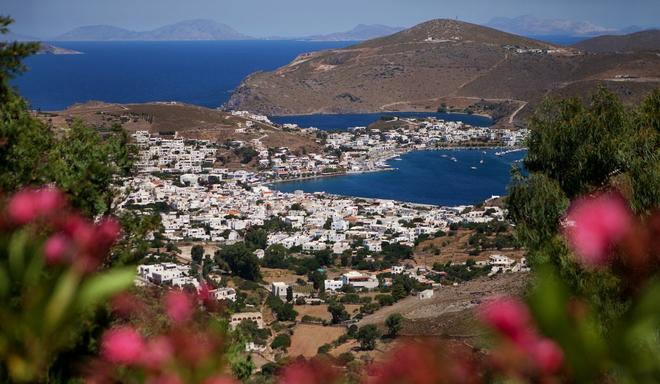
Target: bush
[282, 341]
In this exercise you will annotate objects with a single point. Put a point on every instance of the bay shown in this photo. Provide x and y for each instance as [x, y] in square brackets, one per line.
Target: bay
[424, 177]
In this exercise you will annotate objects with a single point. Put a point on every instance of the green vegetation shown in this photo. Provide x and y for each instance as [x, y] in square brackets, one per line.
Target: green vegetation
[576, 149]
[338, 312]
[459, 273]
[394, 323]
[367, 337]
[241, 260]
[282, 341]
[283, 311]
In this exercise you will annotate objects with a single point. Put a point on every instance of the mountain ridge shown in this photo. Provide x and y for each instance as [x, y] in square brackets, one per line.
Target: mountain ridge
[648, 40]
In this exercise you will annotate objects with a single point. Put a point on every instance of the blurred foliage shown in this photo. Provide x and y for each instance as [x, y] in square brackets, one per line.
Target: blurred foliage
[577, 149]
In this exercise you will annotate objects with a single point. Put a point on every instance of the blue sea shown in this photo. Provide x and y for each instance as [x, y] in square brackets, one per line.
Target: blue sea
[424, 177]
[344, 121]
[202, 73]
[205, 73]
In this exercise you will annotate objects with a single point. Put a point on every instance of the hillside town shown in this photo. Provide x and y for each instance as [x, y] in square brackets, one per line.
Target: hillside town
[200, 202]
[360, 149]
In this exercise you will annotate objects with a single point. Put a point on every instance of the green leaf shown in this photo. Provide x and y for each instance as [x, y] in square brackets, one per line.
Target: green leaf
[104, 286]
[62, 298]
[17, 245]
[4, 282]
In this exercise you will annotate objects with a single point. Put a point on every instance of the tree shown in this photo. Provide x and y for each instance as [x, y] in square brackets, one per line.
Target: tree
[283, 311]
[338, 312]
[289, 293]
[256, 238]
[394, 323]
[318, 279]
[241, 260]
[197, 253]
[367, 336]
[324, 257]
[276, 256]
[398, 291]
[281, 341]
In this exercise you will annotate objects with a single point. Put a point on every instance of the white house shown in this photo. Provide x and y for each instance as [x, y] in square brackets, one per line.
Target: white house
[426, 294]
[237, 318]
[224, 294]
[333, 285]
[359, 280]
[278, 289]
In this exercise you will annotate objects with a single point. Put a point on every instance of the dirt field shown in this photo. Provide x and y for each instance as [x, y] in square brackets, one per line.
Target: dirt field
[209, 249]
[307, 338]
[320, 311]
[454, 249]
[450, 311]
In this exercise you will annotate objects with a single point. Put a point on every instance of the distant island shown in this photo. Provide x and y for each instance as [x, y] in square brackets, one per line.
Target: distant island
[529, 25]
[49, 49]
[191, 30]
[185, 30]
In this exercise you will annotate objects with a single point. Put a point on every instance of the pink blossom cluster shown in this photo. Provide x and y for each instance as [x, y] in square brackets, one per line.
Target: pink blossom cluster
[425, 363]
[166, 358]
[596, 225]
[511, 319]
[74, 239]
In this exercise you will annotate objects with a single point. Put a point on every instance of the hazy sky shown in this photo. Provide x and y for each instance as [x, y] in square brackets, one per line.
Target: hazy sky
[47, 18]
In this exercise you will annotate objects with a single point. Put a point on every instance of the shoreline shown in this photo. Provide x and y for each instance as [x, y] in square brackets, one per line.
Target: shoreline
[481, 115]
[389, 168]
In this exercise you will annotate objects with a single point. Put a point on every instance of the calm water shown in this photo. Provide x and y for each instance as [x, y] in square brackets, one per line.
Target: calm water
[344, 121]
[424, 177]
[202, 73]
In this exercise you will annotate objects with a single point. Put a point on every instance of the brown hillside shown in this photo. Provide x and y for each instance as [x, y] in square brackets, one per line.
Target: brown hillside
[190, 121]
[427, 65]
[634, 42]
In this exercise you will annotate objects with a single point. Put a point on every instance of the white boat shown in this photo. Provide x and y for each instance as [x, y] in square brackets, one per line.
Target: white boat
[473, 167]
[454, 159]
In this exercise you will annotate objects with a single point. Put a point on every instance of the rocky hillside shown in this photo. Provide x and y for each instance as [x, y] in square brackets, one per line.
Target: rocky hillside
[438, 62]
[634, 42]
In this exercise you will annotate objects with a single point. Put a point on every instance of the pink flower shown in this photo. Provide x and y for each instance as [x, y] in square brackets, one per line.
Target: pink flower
[313, 371]
[80, 230]
[508, 316]
[56, 249]
[178, 306]
[596, 225]
[31, 204]
[220, 380]
[106, 233]
[157, 352]
[48, 200]
[164, 379]
[22, 208]
[122, 345]
[547, 355]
